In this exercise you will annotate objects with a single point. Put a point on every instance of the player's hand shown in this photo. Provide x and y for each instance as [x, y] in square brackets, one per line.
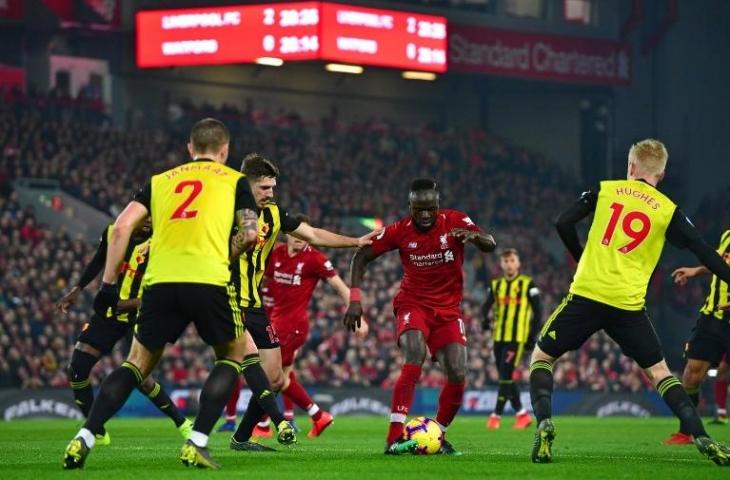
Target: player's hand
[68, 300]
[463, 234]
[107, 297]
[724, 307]
[368, 239]
[362, 330]
[353, 316]
[681, 275]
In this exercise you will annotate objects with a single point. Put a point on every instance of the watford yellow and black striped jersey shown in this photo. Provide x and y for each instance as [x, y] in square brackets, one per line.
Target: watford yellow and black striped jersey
[193, 214]
[718, 289]
[252, 264]
[131, 271]
[514, 301]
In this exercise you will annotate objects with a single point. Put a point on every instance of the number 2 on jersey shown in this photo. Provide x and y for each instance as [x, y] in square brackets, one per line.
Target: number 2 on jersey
[627, 225]
[181, 212]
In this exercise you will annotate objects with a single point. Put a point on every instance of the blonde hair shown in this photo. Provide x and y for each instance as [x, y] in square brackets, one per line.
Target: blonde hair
[650, 156]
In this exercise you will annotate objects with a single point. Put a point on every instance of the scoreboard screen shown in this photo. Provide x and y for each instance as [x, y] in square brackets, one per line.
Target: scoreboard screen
[219, 35]
[386, 38]
[291, 31]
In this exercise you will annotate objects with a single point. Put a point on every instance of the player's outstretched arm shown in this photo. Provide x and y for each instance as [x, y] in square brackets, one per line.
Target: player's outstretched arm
[343, 291]
[483, 241]
[92, 269]
[682, 274]
[566, 222]
[320, 237]
[682, 234]
[353, 315]
[534, 299]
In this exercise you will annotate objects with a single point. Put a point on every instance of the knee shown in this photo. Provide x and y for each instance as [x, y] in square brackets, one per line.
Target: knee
[457, 374]
[414, 353]
[692, 376]
[80, 366]
[277, 381]
[539, 355]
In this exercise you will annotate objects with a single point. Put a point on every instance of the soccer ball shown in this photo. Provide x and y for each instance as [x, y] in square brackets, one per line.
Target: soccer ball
[426, 432]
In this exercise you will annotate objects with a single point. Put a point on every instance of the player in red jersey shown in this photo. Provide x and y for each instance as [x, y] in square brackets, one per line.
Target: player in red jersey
[427, 307]
[291, 275]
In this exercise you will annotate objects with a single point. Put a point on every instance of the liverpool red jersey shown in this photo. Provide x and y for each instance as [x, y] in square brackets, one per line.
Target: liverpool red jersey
[432, 261]
[290, 283]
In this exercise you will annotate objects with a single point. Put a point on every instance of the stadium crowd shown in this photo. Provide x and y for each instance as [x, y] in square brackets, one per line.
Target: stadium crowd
[331, 169]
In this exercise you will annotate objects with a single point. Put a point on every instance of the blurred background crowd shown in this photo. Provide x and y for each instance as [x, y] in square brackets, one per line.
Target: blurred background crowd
[334, 171]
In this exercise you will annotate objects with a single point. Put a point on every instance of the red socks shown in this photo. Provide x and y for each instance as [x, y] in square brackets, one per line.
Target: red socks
[296, 393]
[450, 401]
[233, 401]
[403, 392]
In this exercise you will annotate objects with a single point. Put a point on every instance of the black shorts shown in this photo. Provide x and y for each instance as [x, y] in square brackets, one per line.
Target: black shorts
[261, 329]
[168, 308]
[577, 318]
[508, 356]
[104, 333]
[710, 339]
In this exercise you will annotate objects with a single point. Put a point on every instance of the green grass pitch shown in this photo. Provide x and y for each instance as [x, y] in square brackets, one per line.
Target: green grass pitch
[141, 449]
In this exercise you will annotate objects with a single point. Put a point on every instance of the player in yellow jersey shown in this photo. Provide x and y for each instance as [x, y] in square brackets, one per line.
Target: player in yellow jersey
[264, 346]
[631, 222]
[710, 338]
[98, 337]
[515, 324]
[194, 208]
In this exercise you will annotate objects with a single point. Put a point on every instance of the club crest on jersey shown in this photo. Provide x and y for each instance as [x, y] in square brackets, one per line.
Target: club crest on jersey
[444, 239]
[300, 266]
[277, 264]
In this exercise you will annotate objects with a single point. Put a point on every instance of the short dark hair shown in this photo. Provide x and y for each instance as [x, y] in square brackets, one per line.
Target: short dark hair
[302, 218]
[420, 184]
[255, 166]
[209, 135]
[508, 252]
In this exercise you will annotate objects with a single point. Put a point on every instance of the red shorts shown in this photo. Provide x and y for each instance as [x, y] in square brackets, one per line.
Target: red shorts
[439, 327]
[290, 340]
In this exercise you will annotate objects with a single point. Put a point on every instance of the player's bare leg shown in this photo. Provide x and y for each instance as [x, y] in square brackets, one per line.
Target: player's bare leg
[114, 392]
[413, 347]
[453, 359]
[271, 363]
[263, 401]
[215, 394]
[694, 374]
[541, 393]
[681, 405]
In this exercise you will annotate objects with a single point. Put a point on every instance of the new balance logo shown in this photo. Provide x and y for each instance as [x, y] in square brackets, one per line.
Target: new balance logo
[407, 318]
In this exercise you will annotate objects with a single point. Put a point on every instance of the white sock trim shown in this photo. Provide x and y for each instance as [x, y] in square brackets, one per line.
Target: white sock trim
[264, 423]
[722, 411]
[88, 437]
[442, 427]
[313, 409]
[521, 412]
[397, 418]
[199, 439]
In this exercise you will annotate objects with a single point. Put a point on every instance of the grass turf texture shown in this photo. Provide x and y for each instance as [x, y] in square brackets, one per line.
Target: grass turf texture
[609, 448]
